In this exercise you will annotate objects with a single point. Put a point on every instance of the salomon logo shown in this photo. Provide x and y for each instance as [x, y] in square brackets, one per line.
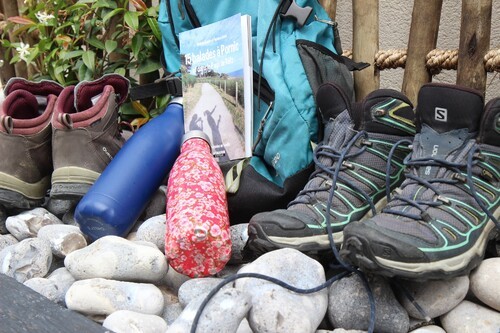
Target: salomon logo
[441, 114]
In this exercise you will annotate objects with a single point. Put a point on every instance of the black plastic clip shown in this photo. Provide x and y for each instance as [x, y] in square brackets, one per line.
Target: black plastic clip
[300, 14]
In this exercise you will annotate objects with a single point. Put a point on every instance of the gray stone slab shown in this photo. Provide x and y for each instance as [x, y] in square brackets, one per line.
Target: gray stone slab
[24, 310]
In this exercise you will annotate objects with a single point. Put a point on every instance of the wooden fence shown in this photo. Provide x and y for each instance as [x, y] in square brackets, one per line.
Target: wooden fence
[420, 59]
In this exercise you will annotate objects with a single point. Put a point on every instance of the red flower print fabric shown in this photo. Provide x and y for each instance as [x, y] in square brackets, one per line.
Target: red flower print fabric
[197, 240]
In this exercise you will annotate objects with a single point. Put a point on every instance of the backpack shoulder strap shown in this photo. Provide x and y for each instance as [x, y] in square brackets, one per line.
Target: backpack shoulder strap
[165, 86]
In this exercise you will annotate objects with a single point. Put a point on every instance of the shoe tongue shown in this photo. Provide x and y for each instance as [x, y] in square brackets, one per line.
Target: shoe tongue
[21, 104]
[449, 107]
[331, 101]
[384, 111]
[432, 144]
[339, 131]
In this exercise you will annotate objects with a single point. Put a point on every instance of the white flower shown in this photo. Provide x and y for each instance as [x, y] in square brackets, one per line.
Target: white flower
[23, 50]
[43, 17]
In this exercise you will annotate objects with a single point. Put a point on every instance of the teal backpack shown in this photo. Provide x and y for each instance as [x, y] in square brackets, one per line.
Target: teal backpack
[296, 48]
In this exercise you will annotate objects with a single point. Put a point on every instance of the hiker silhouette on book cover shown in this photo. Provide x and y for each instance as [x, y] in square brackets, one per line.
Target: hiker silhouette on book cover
[196, 123]
[218, 146]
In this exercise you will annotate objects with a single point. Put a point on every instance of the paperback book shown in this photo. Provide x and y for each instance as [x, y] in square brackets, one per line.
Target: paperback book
[216, 66]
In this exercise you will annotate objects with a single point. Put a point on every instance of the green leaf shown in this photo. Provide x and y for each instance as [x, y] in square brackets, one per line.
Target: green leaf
[72, 54]
[33, 54]
[112, 13]
[59, 77]
[137, 42]
[132, 20]
[79, 5]
[14, 59]
[128, 110]
[155, 28]
[96, 43]
[104, 4]
[88, 58]
[82, 69]
[121, 71]
[153, 11]
[59, 70]
[148, 66]
[110, 45]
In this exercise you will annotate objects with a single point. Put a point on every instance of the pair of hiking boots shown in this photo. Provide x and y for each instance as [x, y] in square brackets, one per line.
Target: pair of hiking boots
[414, 194]
[57, 138]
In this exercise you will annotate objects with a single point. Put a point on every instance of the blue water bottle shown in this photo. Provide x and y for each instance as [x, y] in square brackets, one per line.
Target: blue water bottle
[120, 194]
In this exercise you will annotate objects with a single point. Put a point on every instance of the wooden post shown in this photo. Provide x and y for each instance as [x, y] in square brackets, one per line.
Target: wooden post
[6, 70]
[474, 43]
[330, 7]
[116, 22]
[365, 35]
[11, 9]
[423, 38]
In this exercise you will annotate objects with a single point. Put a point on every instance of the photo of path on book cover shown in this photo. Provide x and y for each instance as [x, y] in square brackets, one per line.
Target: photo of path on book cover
[215, 66]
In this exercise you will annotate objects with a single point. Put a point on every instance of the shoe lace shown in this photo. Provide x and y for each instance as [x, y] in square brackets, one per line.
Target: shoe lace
[331, 173]
[475, 153]
[433, 184]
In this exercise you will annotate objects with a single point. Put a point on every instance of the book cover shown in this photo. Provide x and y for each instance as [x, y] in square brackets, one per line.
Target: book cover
[216, 66]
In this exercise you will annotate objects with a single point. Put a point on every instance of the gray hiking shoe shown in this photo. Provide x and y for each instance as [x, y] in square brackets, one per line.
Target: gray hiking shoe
[25, 142]
[86, 134]
[351, 177]
[439, 222]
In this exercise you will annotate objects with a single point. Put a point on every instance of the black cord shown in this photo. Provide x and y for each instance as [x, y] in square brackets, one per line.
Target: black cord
[279, 282]
[272, 26]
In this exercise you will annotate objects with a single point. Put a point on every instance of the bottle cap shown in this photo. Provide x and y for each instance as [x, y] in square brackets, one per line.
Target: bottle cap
[196, 134]
[176, 100]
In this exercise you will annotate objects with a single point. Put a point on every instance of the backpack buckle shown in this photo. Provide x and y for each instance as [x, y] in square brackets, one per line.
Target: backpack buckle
[300, 14]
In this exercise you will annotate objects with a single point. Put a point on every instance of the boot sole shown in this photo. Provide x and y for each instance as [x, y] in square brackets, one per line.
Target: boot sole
[358, 252]
[260, 242]
[15, 193]
[70, 183]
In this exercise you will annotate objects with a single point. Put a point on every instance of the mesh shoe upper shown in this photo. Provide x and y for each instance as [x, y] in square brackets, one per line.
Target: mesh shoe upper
[25, 141]
[354, 158]
[85, 133]
[439, 222]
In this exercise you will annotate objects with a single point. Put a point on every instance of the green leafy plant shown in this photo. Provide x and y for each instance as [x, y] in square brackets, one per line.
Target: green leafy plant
[69, 41]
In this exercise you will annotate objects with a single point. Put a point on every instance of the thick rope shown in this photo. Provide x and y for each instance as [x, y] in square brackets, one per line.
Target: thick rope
[492, 61]
[393, 58]
[436, 60]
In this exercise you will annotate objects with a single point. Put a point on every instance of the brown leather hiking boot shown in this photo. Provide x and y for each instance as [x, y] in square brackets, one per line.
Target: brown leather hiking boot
[85, 135]
[25, 142]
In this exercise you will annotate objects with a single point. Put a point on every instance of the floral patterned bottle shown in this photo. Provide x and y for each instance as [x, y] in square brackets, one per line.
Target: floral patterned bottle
[197, 240]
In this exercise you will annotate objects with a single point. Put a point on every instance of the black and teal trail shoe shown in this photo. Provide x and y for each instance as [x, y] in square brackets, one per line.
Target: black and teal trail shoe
[443, 215]
[359, 161]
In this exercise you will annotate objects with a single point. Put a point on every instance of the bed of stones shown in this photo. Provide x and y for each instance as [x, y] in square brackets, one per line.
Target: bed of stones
[127, 285]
